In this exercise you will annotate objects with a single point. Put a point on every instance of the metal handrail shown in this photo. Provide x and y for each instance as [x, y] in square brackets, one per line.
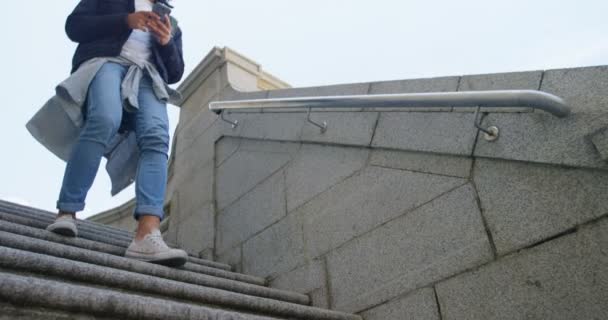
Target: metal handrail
[497, 98]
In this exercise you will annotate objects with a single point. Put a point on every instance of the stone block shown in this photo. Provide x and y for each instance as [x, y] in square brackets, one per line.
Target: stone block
[232, 257]
[584, 89]
[600, 142]
[206, 254]
[170, 235]
[365, 201]
[207, 90]
[303, 279]
[439, 132]
[196, 189]
[190, 158]
[433, 242]
[184, 172]
[500, 81]
[316, 168]
[562, 279]
[270, 147]
[307, 279]
[423, 162]
[252, 213]
[231, 94]
[347, 128]
[331, 90]
[324, 91]
[525, 203]
[275, 250]
[442, 84]
[225, 148]
[191, 131]
[543, 138]
[247, 168]
[270, 126]
[419, 305]
[200, 152]
[196, 229]
[241, 78]
[320, 298]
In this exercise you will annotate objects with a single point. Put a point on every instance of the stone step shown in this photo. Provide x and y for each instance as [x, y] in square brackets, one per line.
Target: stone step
[102, 248]
[14, 312]
[48, 219]
[29, 296]
[45, 248]
[93, 227]
[99, 230]
[69, 272]
[39, 224]
[16, 208]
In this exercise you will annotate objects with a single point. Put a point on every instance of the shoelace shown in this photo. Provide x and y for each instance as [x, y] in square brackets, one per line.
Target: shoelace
[65, 217]
[157, 240]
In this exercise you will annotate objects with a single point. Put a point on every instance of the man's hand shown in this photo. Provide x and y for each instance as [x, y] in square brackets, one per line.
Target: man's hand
[162, 30]
[139, 20]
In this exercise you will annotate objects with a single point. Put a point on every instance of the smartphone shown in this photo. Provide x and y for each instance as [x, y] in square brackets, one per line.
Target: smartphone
[161, 10]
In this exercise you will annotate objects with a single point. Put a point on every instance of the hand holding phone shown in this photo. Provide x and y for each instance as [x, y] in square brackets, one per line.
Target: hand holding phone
[161, 28]
[161, 9]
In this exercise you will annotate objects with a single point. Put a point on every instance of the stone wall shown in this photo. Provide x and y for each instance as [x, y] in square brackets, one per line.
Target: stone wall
[399, 214]
[119, 217]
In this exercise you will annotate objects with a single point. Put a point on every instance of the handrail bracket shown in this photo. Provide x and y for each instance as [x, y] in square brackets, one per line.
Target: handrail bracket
[490, 133]
[234, 123]
[322, 126]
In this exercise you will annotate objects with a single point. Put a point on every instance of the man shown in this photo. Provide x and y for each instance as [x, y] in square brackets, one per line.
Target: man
[126, 57]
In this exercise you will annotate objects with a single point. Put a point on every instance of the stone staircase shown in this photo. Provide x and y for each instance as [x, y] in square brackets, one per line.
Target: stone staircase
[48, 276]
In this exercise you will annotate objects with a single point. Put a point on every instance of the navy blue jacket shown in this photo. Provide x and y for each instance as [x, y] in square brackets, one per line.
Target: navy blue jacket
[100, 28]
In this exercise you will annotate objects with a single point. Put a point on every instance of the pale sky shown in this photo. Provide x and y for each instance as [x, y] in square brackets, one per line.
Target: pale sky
[305, 43]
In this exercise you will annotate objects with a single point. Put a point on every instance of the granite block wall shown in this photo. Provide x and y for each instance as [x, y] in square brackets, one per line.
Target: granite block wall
[409, 213]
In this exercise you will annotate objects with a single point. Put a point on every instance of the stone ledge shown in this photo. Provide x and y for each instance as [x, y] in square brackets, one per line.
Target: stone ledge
[442, 84]
[529, 80]
[537, 137]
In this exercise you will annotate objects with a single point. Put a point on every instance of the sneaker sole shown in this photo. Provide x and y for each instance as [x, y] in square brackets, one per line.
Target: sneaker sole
[171, 262]
[63, 231]
[165, 261]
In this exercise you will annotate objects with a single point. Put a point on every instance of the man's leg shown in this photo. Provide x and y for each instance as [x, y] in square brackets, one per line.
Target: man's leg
[152, 132]
[104, 114]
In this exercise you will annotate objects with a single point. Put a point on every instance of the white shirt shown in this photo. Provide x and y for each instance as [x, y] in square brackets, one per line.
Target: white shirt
[137, 47]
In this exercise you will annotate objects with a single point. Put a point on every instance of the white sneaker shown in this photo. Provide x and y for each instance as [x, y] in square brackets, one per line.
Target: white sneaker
[152, 248]
[64, 225]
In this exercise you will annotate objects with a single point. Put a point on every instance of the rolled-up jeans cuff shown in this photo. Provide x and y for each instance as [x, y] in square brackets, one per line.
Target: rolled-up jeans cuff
[70, 206]
[149, 211]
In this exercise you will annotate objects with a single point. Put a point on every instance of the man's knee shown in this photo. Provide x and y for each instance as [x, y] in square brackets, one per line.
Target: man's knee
[101, 128]
[154, 139]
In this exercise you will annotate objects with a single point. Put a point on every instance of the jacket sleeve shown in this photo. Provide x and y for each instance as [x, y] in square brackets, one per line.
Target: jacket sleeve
[172, 57]
[85, 25]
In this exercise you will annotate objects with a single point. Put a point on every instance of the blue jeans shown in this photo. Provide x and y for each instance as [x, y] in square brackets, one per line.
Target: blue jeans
[103, 118]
